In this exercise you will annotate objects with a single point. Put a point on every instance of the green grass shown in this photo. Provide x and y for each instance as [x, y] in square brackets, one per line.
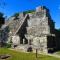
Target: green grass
[24, 56]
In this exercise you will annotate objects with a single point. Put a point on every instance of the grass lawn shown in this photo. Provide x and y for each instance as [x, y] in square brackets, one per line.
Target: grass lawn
[24, 56]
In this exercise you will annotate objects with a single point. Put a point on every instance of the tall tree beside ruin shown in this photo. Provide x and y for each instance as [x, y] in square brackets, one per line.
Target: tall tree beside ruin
[2, 19]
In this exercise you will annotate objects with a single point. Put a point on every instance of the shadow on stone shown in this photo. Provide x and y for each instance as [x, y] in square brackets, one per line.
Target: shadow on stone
[5, 56]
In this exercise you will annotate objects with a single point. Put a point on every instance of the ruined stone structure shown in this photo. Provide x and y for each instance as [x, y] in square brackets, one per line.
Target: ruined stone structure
[33, 31]
[40, 29]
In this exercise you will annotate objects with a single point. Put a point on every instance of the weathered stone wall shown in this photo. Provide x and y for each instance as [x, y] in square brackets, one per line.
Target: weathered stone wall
[39, 43]
[16, 40]
[37, 26]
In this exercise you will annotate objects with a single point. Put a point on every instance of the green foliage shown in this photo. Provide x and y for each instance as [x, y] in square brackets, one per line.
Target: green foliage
[1, 14]
[58, 29]
[11, 41]
[2, 19]
[7, 45]
[29, 11]
[16, 15]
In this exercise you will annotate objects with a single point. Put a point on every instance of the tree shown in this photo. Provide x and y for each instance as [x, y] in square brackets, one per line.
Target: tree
[2, 19]
[58, 29]
[16, 15]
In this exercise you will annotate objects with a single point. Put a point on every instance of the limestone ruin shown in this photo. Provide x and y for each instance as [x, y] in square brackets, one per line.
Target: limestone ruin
[32, 31]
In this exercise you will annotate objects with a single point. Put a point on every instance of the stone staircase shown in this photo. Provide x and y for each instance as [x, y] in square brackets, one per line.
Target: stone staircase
[15, 25]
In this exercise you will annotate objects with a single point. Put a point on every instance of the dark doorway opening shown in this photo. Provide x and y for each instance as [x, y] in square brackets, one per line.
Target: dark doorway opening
[29, 49]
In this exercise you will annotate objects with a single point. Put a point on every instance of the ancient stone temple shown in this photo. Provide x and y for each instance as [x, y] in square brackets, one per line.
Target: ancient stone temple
[40, 29]
[33, 30]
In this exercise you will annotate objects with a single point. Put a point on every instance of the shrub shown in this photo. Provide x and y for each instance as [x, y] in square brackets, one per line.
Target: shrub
[7, 45]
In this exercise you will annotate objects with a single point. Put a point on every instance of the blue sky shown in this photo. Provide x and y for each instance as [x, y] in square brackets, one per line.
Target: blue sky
[13, 6]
